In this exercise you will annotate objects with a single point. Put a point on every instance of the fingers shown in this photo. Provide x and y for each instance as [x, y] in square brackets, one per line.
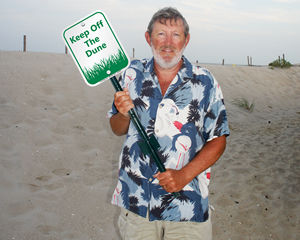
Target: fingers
[171, 180]
[165, 181]
[123, 102]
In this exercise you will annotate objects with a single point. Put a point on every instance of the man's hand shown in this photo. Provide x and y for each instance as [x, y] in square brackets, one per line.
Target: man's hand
[123, 102]
[120, 122]
[171, 180]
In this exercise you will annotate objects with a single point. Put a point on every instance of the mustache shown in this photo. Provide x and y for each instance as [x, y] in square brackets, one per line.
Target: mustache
[167, 47]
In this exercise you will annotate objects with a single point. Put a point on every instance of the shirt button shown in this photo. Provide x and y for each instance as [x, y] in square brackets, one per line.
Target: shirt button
[150, 179]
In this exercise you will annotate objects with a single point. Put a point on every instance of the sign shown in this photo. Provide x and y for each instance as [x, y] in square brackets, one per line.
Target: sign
[95, 49]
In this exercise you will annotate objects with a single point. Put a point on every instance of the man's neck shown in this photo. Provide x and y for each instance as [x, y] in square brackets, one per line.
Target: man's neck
[166, 75]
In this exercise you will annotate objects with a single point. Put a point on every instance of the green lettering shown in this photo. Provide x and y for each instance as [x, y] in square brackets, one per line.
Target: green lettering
[88, 53]
[87, 43]
[72, 40]
[86, 33]
[93, 28]
[95, 50]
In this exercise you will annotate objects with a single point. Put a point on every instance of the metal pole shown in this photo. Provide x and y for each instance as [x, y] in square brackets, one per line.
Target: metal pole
[24, 43]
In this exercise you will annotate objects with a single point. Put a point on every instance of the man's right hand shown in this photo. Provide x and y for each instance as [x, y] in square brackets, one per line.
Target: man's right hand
[120, 122]
[123, 102]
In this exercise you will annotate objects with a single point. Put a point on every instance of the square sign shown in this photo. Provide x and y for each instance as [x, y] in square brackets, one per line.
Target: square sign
[95, 49]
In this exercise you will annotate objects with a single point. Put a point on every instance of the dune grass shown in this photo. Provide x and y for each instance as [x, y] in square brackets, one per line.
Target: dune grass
[244, 103]
[280, 63]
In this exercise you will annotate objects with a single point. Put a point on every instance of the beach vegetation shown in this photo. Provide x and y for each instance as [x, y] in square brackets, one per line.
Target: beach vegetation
[244, 103]
[280, 63]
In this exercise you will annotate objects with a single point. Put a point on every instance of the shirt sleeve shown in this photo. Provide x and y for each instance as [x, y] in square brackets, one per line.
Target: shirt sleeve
[215, 120]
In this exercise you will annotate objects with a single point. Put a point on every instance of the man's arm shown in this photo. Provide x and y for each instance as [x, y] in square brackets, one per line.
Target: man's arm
[175, 180]
[119, 122]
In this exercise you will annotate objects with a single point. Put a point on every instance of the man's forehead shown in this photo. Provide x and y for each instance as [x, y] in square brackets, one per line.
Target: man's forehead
[168, 23]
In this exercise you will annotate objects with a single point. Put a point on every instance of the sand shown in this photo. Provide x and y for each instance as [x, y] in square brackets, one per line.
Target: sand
[59, 158]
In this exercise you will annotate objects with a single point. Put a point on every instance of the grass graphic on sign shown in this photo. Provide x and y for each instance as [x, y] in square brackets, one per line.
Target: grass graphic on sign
[106, 67]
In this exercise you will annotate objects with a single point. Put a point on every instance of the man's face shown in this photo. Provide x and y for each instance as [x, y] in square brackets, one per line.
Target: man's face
[167, 42]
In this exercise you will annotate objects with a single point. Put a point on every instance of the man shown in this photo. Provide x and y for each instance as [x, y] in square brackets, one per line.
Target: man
[182, 105]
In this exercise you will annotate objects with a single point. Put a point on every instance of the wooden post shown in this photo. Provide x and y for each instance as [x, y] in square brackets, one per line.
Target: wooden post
[283, 58]
[248, 61]
[66, 50]
[133, 53]
[24, 43]
[223, 61]
[251, 61]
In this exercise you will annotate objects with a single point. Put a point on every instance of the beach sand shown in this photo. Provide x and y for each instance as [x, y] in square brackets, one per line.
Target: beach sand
[59, 158]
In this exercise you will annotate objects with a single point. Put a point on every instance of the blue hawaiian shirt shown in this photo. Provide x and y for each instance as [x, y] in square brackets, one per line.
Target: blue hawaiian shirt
[191, 113]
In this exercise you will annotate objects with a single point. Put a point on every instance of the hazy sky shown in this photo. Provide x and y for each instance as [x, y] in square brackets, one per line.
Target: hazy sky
[229, 29]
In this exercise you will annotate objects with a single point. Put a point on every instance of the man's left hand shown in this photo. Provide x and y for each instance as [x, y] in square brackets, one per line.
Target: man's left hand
[171, 180]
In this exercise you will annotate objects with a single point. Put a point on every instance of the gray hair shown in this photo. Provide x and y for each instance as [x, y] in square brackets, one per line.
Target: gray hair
[167, 13]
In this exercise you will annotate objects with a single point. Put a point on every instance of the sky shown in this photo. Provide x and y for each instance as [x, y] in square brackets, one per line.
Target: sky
[220, 29]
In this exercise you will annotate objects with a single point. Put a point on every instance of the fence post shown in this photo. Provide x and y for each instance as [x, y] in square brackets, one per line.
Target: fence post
[66, 50]
[223, 61]
[133, 53]
[24, 43]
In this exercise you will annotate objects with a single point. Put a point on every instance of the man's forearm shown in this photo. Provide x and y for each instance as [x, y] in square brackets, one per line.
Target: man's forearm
[119, 124]
[175, 180]
[204, 159]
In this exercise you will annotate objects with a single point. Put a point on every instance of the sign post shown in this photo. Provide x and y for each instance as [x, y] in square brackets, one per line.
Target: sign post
[100, 56]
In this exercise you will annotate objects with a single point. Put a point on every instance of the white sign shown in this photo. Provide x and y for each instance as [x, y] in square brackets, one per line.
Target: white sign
[95, 48]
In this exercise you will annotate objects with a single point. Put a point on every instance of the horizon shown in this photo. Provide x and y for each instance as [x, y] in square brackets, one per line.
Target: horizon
[228, 29]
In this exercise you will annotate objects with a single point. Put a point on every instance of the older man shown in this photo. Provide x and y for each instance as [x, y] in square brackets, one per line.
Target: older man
[182, 105]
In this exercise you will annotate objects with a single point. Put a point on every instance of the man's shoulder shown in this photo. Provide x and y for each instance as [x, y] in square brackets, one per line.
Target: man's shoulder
[139, 63]
[203, 75]
[197, 70]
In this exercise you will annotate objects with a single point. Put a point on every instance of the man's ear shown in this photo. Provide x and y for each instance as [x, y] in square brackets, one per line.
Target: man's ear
[187, 40]
[148, 38]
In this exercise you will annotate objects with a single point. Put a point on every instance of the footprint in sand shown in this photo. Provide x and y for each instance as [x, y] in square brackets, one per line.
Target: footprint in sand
[47, 229]
[43, 178]
[19, 208]
[39, 184]
[62, 172]
[47, 182]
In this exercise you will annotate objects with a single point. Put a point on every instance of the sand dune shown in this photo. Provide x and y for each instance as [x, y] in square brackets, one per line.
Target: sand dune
[59, 158]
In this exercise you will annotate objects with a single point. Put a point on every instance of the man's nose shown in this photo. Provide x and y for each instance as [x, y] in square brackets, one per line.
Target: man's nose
[168, 39]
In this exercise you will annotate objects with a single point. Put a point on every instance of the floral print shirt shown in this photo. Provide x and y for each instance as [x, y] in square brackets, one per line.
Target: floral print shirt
[191, 113]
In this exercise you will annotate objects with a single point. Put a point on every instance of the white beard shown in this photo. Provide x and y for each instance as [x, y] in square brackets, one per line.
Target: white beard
[162, 63]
